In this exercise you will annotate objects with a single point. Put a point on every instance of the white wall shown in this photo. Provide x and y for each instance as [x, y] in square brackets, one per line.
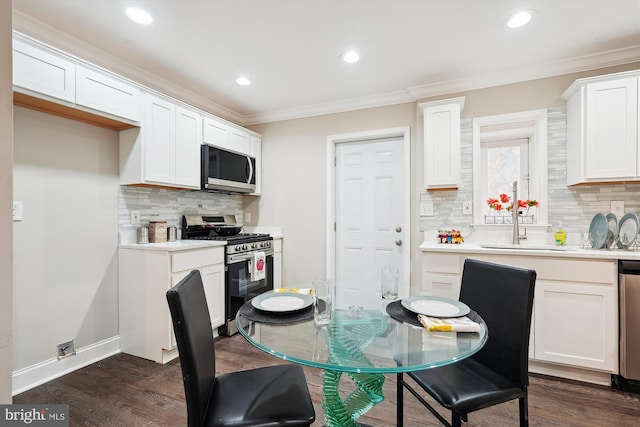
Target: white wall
[6, 189]
[65, 249]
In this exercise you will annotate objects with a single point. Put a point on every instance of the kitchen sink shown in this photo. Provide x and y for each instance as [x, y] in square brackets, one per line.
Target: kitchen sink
[524, 247]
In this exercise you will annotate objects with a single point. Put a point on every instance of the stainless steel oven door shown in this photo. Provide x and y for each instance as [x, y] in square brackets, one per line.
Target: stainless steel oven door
[240, 288]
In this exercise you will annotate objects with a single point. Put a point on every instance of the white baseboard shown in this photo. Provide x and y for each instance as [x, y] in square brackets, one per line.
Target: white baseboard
[34, 375]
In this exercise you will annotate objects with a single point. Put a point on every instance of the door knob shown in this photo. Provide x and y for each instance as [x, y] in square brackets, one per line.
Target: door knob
[398, 229]
[398, 242]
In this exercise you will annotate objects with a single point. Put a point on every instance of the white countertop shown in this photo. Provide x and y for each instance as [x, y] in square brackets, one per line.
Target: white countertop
[533, 250]
[177, 245]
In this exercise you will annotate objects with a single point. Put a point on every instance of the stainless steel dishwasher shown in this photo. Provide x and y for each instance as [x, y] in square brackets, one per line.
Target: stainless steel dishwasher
[629, 310]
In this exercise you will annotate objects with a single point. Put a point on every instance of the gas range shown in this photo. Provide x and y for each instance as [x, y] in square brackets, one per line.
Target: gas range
[196, 227]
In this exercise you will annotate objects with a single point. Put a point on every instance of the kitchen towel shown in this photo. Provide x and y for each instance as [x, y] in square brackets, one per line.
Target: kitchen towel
[453, 324]
[258, 269]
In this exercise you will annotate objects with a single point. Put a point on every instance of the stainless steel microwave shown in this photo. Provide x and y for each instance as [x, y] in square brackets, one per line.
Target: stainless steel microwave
[227, 171]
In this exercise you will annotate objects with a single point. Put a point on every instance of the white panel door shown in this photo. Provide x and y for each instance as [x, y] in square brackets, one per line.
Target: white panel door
[188, 142]
[160, 140]
[370, 229]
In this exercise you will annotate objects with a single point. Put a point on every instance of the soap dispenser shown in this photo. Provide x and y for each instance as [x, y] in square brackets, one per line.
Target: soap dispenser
[560, 236]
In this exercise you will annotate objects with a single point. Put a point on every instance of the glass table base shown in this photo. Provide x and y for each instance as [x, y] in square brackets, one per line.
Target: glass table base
[344, 413]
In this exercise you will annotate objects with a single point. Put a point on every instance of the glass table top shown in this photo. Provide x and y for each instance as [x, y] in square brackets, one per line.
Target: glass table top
[368, 341]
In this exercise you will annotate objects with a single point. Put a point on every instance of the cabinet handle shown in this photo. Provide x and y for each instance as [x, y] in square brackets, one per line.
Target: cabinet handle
[398, 242]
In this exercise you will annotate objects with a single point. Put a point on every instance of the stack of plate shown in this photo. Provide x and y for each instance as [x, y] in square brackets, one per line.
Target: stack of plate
[606, 229]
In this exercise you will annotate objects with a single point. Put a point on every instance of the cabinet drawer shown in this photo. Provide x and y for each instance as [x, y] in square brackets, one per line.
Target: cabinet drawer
[442, 263]
[190, 260]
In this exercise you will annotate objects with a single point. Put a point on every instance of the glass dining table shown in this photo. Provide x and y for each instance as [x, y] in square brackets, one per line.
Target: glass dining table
[364, 345]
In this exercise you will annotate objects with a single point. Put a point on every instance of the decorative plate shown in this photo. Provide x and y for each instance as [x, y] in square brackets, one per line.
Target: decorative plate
[281, 302]
[435, 306]
[612, 233]
[598, 229]
[627, 231]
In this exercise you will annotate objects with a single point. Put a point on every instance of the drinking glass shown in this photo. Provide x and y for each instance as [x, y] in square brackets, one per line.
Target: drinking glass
[586, 240]
[323, 300]
[389, 283]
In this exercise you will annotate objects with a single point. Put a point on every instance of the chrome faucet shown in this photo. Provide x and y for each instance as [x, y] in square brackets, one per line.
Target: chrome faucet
[515, 213]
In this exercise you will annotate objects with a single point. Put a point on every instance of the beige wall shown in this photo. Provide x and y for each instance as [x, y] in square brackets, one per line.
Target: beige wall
[6, 190]
[294, 164]
[294, 180]
[65, 248]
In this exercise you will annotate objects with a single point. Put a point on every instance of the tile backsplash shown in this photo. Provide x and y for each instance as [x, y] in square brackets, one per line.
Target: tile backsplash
[573, 207]
[160, 204]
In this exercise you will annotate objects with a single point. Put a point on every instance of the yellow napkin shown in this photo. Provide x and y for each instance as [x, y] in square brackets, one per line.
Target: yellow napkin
[454, 324]
[306, 291]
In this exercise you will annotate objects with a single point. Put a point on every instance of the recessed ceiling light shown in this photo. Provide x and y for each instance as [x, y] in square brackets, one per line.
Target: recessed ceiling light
[350, 57]
[243, 81]
[139, 16]
[520, 18]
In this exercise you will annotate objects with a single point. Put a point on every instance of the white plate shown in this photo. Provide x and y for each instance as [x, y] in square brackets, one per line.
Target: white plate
[435, 306]
[281, 302]
[628, 230]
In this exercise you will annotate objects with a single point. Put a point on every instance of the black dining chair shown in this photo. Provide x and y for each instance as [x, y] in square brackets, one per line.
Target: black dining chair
[503, 296]
[263, 397]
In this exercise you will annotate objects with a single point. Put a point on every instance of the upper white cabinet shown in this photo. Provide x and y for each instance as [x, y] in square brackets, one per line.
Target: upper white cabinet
[165, 150]
[442, 143]
[43, 72]
[46, 73]
[256, 152]
[103, 92]
[602, 129]
[225, 136]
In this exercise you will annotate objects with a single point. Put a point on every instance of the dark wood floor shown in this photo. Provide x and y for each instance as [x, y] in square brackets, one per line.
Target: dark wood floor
[128, 391]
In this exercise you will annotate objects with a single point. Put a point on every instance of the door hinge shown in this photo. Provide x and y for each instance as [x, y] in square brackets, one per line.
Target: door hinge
[335, 161]
[334, 227]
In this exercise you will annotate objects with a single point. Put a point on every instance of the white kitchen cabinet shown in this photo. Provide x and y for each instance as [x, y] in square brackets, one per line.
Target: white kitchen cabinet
[575, 317]
[256, 152]
[103, 92]
[442, 143]
[225, 136]
[165, 150]
[43, 72]
[144, 277]
[602, 129]
[442, 275]
[47, 73]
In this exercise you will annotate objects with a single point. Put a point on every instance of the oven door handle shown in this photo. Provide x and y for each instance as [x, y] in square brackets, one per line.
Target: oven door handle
[247, 256]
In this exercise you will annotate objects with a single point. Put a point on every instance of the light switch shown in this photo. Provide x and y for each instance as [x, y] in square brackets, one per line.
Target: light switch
[17, 211]
[426, 209]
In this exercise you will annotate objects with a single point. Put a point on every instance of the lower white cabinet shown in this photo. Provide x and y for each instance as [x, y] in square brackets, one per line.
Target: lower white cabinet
[575, 317]
[144, 277]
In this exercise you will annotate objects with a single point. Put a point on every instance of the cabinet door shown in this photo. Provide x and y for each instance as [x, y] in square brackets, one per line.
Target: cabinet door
[611, 128]
[239, 141]
[576, 324]
[215, 133]
[159, 138]
[213, 282]
[105, 93]
[442, 145]
[256, 152]
[442, 285]
[43, 72]
[188, 141]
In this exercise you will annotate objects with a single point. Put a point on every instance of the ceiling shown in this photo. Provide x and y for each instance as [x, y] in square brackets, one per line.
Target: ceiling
[410, 49]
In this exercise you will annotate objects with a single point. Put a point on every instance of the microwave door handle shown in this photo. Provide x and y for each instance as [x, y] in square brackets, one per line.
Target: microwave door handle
[250, 169]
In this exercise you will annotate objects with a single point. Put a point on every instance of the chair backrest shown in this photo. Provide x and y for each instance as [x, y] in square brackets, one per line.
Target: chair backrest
[194, 336]
[503, 296]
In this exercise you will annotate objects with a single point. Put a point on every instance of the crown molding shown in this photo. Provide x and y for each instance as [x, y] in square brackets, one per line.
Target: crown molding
[413, 93]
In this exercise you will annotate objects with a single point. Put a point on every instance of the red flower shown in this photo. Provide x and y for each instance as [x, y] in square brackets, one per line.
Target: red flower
[504, 198]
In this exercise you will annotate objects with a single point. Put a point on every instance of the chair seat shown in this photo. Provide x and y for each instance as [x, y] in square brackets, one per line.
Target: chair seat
[260, 396]
[467, 385]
